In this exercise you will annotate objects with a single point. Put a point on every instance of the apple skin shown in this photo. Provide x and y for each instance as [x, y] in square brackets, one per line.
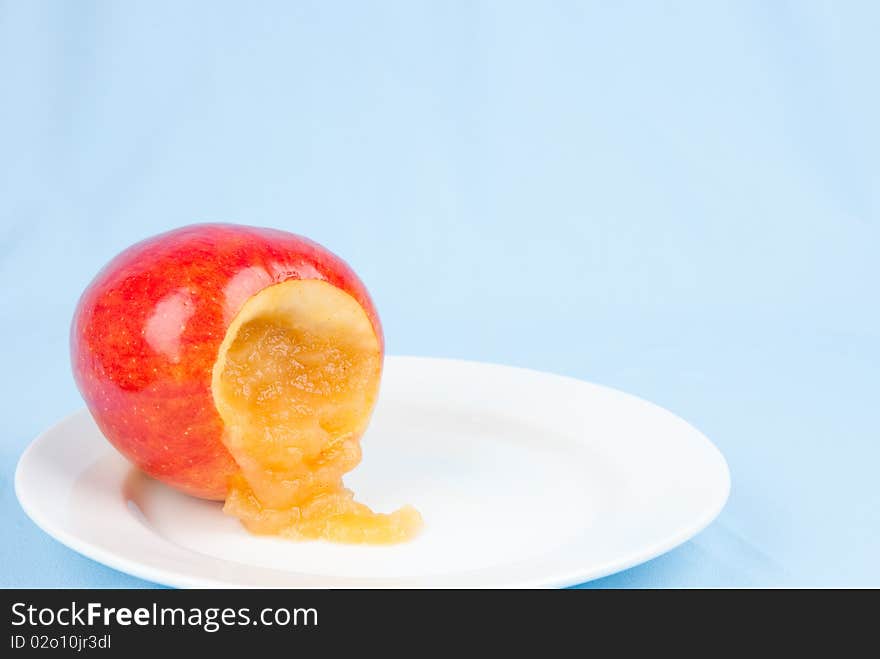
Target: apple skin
[146, 333]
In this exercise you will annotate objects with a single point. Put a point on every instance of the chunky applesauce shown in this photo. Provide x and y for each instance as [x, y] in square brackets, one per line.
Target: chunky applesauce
[295, 383]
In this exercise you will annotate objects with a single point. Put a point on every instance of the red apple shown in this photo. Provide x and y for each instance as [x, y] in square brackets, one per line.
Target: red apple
[151, 334]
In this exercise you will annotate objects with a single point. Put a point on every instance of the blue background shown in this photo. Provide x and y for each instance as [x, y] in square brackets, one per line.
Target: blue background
[678, 199]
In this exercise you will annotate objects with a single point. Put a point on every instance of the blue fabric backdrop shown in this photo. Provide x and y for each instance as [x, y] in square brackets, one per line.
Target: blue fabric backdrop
[678, 199]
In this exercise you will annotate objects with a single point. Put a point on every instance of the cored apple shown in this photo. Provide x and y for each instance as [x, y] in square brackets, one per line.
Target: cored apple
[239, 363]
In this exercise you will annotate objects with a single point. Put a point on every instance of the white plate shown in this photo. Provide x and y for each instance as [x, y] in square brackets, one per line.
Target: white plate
[524, 479]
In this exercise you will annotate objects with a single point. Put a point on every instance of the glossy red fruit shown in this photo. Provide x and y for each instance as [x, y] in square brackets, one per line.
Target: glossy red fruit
[147, 330]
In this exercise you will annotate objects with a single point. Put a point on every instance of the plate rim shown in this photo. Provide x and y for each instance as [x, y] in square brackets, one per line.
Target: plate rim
[170, 577]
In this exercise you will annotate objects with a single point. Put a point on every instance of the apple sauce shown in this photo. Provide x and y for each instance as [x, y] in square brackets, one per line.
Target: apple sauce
[295, 383]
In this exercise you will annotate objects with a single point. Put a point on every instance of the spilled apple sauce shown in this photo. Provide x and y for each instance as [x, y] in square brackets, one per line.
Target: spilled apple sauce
[295, 382]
